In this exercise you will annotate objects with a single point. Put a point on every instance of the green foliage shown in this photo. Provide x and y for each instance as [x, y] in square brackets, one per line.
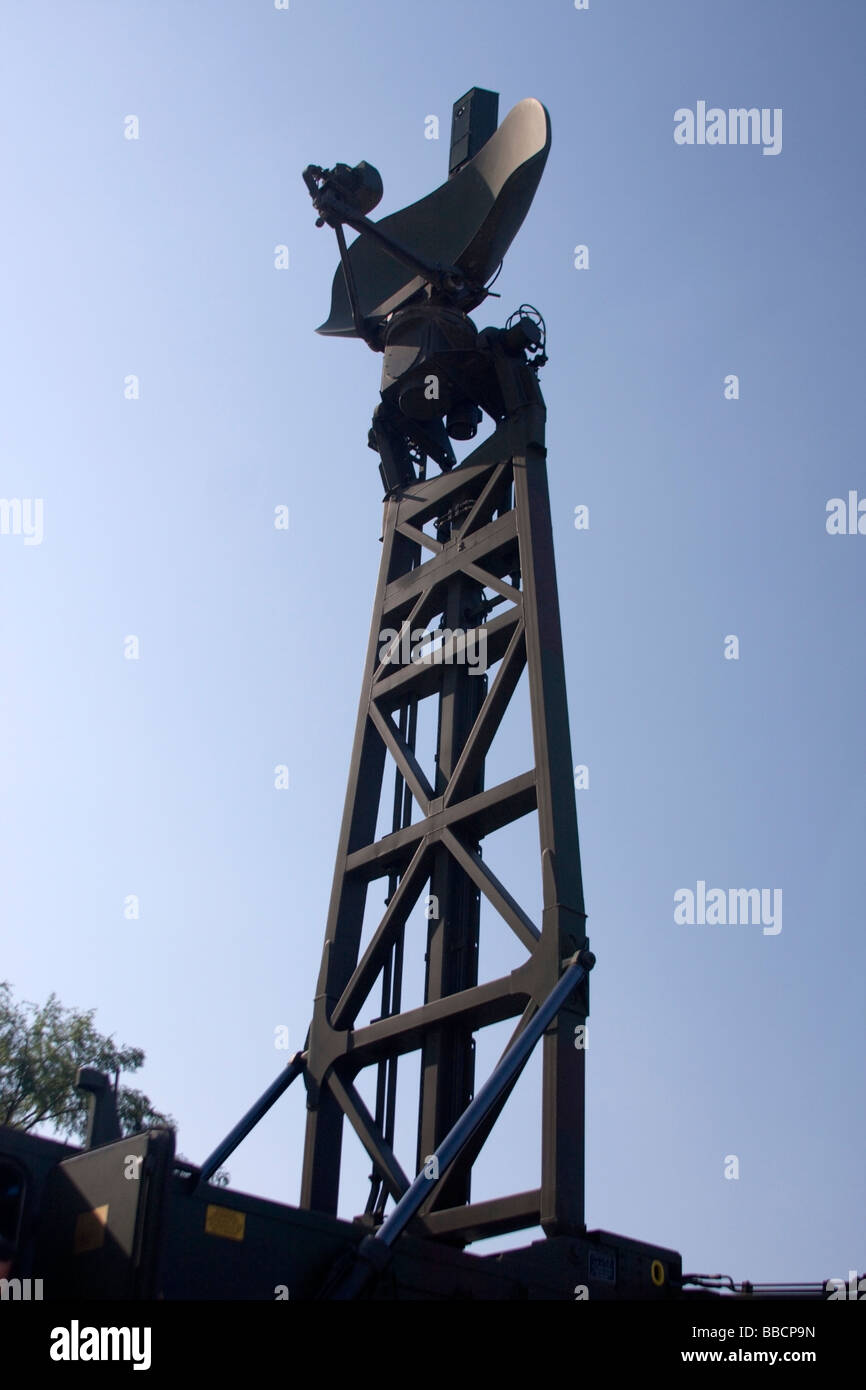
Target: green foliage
[41, 1049]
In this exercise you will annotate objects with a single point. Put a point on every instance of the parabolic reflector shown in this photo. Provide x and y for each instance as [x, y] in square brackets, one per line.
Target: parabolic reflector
[469, 222]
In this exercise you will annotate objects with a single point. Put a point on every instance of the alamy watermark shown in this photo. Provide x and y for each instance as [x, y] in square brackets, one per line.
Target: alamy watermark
[720, 907]
[22, 516]
[21, 1290]
[77, 1343]
[451, 646]
[855, 1289]
[736, 126]
[846, 519]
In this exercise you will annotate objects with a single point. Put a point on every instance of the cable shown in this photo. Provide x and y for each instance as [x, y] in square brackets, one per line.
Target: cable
[529, 311]
[495, 278]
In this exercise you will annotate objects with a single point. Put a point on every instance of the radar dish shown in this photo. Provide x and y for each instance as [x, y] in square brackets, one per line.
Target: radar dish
[469, 222]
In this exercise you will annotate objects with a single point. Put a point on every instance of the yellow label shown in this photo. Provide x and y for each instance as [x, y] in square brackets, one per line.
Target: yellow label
[222, 1221]
[90, 1230]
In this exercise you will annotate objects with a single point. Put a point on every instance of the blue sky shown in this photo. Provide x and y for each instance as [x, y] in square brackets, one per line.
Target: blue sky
[155, 777]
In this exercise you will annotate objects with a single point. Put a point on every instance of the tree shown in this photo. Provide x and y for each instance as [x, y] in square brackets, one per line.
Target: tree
[41, 1049]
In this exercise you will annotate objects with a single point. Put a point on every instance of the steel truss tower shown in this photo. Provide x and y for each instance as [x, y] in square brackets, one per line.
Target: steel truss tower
[482, 528]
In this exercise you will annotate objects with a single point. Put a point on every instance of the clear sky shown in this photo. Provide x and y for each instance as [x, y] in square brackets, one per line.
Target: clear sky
[155, 258]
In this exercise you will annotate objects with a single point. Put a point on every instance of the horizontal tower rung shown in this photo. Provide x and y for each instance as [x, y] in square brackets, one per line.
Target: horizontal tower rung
[481, 1220]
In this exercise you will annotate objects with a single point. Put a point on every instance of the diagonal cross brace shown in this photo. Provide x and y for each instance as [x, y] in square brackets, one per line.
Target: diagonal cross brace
[373, 1251]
